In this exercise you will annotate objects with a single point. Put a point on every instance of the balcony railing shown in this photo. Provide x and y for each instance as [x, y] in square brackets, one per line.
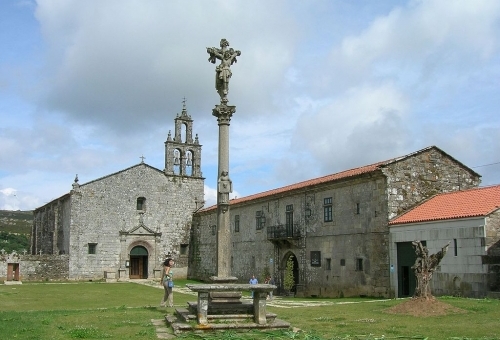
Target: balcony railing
[282, 232]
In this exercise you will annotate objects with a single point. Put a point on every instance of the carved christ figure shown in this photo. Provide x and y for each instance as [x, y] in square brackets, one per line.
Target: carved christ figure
[223, 71]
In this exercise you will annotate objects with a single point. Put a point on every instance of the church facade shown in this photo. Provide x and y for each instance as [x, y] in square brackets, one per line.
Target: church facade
[334, 229]
[124, 225]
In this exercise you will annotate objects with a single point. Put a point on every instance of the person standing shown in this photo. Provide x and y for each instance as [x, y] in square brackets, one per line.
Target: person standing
[253, 281]
[270, 281]
[168, 283]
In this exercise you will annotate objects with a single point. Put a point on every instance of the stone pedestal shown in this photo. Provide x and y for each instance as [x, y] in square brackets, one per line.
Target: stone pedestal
[211, 315]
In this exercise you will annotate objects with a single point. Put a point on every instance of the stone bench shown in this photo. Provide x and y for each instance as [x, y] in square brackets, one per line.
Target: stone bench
[260, 292]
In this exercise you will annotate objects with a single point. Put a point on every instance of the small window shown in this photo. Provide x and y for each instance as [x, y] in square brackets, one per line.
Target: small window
[214, 229]
[315, 259]
[92, 248]
[328, 209]
[328, 264]
[184, 249]
[141, 203]
[342, 262]
[357, 208]
[289, 207]
[455, 246]
[359, 265]
[236, 223]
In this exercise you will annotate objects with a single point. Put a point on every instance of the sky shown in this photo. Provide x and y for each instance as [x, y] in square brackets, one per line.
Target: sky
[321, 86]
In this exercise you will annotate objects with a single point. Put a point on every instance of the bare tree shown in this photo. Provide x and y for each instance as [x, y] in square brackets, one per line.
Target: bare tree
[424, 267]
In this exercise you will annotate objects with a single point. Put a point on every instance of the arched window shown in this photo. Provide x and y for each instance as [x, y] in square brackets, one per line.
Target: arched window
[177, 162]
[189, 163]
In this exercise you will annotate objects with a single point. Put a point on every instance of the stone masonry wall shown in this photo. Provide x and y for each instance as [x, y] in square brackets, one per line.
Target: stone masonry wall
[104, 208]
[424, 174]
[493, 250]
[353, 248]
[36, 267]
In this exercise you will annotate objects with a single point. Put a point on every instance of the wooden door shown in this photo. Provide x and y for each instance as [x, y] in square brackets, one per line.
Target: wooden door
[135, 267]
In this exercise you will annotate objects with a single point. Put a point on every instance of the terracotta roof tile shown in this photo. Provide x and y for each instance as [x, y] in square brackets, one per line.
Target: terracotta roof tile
[460, 204]
[308, 183]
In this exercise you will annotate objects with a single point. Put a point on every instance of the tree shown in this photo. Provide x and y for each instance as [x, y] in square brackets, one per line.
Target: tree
[288, 281]
[424, 267]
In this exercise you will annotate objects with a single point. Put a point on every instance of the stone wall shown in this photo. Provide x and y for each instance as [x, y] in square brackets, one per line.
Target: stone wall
[104, 213]
[353, 248]
[492, 258]
[36, 267]
[422, 175]
[50, 231]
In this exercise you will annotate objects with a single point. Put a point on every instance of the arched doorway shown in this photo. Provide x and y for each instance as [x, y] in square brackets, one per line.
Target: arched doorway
[295, 269]
[138, 263]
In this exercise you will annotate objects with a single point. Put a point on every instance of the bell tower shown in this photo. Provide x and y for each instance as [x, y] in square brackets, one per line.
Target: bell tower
[182, 153]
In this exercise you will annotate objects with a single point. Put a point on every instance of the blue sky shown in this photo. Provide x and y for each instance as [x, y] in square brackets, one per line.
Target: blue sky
[321, 86]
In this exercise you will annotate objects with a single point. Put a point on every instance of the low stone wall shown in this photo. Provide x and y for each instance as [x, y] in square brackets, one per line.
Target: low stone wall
[36, 267]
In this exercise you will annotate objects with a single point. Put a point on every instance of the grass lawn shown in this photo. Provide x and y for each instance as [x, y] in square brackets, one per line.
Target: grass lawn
[94, 310]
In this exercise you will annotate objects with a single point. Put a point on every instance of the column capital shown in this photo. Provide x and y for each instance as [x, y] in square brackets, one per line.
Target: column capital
[223, 113]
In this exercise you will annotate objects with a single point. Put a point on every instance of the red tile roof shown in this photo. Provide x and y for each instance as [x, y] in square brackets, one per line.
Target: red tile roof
[460, 204]
[308, 183]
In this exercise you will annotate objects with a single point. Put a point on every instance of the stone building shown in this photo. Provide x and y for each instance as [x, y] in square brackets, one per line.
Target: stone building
[124, 225]
[334, 228]
[469, 221]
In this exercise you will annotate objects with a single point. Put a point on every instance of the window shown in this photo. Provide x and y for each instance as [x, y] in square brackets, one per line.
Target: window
[214, 229]
[92, 248]
[289, 216]
[455, 246]
[328, 264]
[315, 259]
[359, 265]
[236, 223]
[184, 249]
[328, 209]
[342, 262]
[141, 203]
[357, 208]
[260, 220]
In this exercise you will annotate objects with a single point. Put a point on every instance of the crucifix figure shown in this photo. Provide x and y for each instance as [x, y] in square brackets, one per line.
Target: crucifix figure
[223, 71]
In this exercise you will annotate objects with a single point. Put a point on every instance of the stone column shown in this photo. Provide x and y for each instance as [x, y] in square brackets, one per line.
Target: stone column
[223, 113]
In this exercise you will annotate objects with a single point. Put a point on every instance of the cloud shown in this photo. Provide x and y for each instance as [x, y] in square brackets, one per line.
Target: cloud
[123, 66]
[319, 87]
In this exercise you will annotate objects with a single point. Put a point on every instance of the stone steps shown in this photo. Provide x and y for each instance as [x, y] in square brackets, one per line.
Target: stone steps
[179, 325]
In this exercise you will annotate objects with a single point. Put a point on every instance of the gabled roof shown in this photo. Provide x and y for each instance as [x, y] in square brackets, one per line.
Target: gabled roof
[453, 205]
[333, 177]
[118, 172]
[65, 196]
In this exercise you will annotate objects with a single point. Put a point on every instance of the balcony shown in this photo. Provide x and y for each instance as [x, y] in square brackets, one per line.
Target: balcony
[283, 232]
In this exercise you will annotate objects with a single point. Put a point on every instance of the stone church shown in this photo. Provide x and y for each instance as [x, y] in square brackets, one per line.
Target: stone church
[125, 224]
[334, 229]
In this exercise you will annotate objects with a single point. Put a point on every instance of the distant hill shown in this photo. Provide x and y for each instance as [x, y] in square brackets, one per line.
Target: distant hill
[16, 221]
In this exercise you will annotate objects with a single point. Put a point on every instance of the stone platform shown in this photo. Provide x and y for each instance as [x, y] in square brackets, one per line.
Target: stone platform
[207, 314]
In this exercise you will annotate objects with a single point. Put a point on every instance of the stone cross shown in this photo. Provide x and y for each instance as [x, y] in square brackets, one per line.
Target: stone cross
[223, 71]
[223, 112]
